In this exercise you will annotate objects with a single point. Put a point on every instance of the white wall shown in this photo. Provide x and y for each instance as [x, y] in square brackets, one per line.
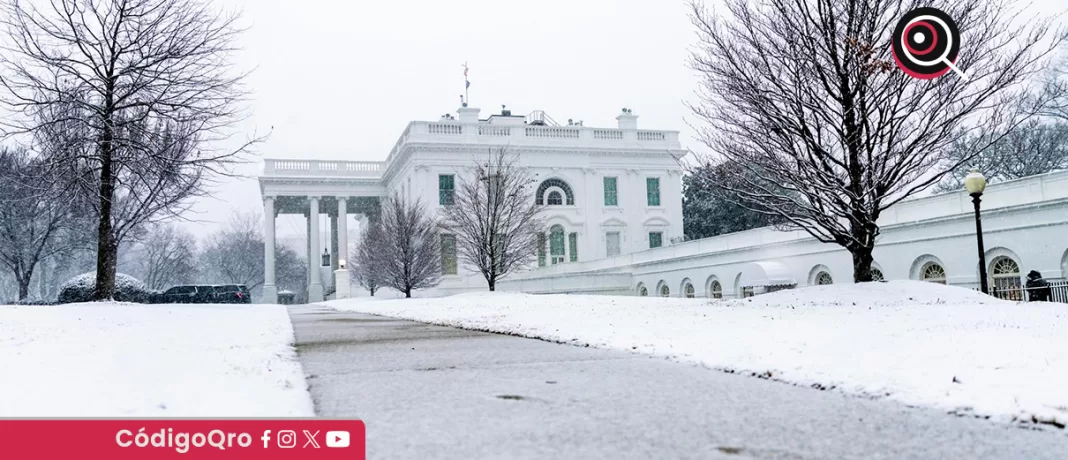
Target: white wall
[1026, 220]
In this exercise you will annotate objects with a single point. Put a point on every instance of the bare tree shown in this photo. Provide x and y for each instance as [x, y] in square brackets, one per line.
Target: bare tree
[165, 256]
[410, 257]
[291, 273]
[235, 253]
[494, 218]
[804, 94]
[36, 222]
[366, 255]
[138, 98]
[1036, 147]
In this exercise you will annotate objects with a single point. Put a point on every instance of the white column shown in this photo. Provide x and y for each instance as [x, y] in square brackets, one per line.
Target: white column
[315, 285]
[333, 243]
[342, 281]
[343, 229]
[307, 247]
[270, 289]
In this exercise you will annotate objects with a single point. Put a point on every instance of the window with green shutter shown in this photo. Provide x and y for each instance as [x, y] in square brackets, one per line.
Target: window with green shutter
[448, 254]
[611, 197]
[656, 239]
[541, 249]
[652, 190]
[446, 189]
[572, 242]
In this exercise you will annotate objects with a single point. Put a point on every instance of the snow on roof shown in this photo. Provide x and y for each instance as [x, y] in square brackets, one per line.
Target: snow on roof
[892, 293]
[766, 274]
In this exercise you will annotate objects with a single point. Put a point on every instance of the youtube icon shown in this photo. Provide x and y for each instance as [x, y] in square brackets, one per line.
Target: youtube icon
[337, 439]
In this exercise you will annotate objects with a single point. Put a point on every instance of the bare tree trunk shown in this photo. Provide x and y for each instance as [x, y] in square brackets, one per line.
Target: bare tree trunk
[24, 285]
[106, 250]
[862, 260]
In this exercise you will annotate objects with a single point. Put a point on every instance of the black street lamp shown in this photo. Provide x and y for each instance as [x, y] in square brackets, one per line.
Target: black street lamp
[976, 183]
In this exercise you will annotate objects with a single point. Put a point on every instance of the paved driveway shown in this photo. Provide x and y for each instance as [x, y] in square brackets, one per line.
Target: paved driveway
[429, 392]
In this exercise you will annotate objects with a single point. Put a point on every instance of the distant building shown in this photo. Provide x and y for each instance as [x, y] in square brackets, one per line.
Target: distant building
[607, 191]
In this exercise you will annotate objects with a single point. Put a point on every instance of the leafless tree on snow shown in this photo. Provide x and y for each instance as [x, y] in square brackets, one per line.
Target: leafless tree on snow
[36, 222]
[165, 256]
[494, 217]
[411, 257]
[804, 94]
[138, 98]
[235, 253]
[366, 255]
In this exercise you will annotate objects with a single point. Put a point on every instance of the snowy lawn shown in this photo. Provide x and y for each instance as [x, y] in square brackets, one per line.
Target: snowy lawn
[128, 360]
[917, 343]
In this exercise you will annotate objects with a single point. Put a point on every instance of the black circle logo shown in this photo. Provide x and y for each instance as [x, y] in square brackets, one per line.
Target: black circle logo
[926, 42]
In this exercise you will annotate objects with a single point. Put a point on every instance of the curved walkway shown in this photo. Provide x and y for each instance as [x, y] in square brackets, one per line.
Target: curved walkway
[429, 392]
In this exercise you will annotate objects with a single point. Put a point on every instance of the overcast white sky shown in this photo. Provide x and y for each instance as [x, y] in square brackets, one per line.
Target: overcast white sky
[341, 80]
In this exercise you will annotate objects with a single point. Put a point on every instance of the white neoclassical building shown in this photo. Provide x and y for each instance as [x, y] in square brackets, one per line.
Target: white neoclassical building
[607, 191]
[1025, 227]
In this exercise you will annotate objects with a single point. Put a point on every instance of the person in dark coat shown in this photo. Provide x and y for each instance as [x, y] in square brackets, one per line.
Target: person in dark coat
[1038, 289]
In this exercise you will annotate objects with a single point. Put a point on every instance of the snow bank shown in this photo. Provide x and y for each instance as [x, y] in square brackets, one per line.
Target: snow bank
[917, 343]
[128, 360]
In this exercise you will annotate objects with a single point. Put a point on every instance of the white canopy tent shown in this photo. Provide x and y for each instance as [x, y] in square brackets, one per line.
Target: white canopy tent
[766, 275]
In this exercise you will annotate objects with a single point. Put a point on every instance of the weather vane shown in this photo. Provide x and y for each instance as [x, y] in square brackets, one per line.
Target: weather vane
[465, 98]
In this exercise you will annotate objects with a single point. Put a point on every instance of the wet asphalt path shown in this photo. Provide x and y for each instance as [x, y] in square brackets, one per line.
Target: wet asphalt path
[430, 392]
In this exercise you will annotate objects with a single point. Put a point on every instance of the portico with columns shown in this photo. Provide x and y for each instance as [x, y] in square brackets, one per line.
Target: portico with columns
[606, 191]
[300, 188]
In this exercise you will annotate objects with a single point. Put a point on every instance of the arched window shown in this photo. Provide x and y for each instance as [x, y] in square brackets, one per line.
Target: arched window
[715, 290]
[665, 291]
[877, 275]
[555, 199]
[541, 197]
[823, 279]
[688, 291]
[556, 244]
[933, 273]
[1006, 276]
[642, 290]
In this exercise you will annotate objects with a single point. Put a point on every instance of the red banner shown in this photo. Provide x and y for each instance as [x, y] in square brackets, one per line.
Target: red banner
[121, 439]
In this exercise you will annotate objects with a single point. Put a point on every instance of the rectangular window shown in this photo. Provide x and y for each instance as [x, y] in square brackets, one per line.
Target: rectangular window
[448, 254]
[612, 245]
[656, 239]
[446, 189]
[652, 190]
[572, 242]
[541, 249]
[611, 197]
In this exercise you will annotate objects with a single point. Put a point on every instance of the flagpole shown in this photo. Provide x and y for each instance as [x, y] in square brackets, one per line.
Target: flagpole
[467, 87]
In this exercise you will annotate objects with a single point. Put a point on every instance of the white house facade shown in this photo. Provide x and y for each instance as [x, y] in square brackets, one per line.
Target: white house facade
[1025, 227]
[607, 191]
[614, 204]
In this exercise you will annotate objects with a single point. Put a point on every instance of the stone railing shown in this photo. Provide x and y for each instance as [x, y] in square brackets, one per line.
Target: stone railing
[522, 135]
[323, 168]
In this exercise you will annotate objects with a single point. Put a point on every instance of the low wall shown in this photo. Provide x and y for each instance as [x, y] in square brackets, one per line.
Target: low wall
[1025, 220]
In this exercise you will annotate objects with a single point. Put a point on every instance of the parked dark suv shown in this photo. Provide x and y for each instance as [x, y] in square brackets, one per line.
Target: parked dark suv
[189, 294]
[232, 293]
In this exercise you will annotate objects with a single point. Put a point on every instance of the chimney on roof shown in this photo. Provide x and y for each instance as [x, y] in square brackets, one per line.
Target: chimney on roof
[468, 114]
[627, 120]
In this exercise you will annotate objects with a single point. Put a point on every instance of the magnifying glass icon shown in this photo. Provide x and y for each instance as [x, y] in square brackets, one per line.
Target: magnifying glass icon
[926, 44]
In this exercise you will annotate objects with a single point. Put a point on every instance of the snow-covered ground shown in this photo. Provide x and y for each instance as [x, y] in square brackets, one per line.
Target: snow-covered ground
[917, 343]
[127, 360]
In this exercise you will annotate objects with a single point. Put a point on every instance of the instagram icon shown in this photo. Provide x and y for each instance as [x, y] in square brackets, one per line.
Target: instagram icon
[287, 439]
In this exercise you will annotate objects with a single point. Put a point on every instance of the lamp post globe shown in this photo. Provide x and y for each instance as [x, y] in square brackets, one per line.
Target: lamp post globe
[975, 183]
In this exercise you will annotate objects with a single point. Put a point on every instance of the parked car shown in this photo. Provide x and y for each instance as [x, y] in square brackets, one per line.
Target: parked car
[189, 294]
[232, 293]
